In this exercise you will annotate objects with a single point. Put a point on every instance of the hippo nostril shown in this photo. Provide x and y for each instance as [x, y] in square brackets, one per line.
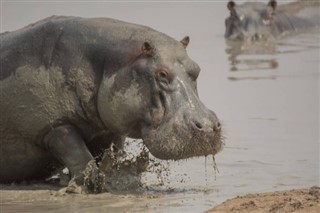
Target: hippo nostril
[197, 124]
[217, 126]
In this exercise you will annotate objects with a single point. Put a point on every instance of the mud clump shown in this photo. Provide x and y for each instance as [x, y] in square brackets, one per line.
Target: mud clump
[123, 174]
[92, 180]
[116, 173]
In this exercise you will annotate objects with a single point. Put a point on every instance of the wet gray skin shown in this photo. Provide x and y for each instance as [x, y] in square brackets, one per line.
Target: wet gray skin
[72, 86]
[256, 20]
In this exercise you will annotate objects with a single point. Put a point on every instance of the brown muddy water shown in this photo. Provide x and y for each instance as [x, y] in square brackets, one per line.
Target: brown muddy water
[266, 95]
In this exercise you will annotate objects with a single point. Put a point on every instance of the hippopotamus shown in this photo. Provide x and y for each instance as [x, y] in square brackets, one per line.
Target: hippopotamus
[71, 86]
[256, 20]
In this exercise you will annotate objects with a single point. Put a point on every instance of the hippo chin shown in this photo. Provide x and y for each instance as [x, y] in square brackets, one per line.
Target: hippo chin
[72, 86]
[257, 20]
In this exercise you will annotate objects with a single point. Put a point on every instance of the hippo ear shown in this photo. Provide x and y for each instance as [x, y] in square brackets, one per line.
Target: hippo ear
[185, 41]
[272, 4]
[231, 5]
[147, 48]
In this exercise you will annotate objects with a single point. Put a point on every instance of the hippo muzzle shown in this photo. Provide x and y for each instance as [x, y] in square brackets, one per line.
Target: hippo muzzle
[184, 136]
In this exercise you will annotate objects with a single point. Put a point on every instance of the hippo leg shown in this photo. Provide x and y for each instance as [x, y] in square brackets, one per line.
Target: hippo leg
[67, 146]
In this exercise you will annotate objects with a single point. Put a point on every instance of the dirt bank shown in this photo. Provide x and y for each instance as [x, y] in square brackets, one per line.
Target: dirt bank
[299, 200]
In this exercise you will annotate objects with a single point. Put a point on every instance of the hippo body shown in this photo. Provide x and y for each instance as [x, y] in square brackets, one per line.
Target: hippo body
[256, 20]
[71, 86]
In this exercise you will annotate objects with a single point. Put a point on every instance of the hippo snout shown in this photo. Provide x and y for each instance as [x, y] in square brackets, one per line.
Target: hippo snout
[203, 127]
[187, 134]
[214, 126]
[217, 126]
[205, 123]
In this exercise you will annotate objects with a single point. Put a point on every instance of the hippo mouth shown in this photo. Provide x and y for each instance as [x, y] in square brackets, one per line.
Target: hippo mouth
[181, 138]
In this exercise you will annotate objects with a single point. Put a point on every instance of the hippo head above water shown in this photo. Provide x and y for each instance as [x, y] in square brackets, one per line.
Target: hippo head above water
[252, 21]
[249, 20]
[155, 98]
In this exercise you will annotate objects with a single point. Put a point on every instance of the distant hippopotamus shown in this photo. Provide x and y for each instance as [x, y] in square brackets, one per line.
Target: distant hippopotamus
[71, 86]
[255, 20]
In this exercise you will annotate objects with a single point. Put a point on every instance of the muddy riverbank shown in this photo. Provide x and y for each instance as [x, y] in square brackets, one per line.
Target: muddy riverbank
[299, 200]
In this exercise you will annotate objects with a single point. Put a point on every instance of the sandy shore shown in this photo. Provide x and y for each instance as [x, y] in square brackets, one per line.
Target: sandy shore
[37, 198]
[298, 200]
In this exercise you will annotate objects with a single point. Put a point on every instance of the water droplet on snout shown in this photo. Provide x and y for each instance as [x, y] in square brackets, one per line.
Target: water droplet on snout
[205, 170]
[215, 168]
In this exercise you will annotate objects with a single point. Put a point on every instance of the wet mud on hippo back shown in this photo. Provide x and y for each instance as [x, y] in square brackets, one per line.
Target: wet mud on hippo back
[258, 20]
[71, 86]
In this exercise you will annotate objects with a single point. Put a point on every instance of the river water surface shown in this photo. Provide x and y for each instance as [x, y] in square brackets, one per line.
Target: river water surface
[267, 97]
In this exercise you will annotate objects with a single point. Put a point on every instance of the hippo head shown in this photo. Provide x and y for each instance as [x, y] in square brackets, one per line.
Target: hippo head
[252, 20]
[155, 98]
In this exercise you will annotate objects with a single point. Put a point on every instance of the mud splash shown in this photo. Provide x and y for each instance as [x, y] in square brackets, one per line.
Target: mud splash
[116, 173]
[125, 172]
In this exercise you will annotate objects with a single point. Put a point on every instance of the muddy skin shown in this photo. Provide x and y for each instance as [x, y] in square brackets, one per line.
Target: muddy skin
[72, 86]
[262, 21]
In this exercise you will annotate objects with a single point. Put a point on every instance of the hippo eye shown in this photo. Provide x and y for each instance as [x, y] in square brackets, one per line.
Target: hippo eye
[163, 74]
